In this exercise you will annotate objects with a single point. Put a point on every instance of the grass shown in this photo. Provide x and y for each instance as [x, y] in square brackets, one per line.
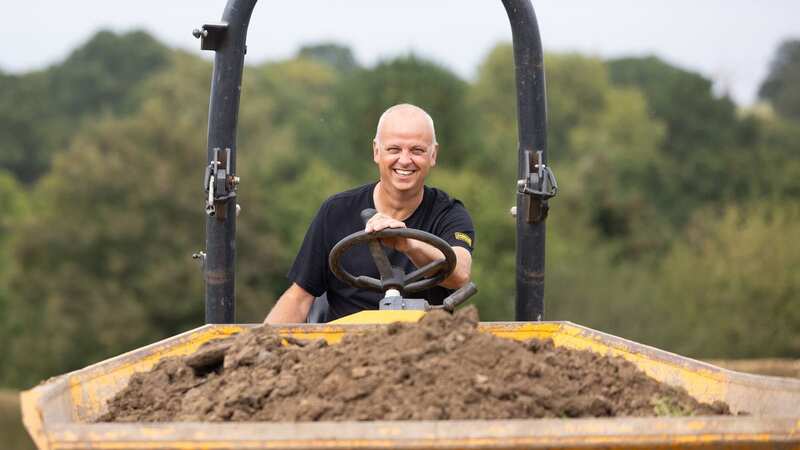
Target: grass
[667, 407]
[13, 433]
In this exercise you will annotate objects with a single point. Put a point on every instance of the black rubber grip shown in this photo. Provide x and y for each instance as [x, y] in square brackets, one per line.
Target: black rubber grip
[460, 296]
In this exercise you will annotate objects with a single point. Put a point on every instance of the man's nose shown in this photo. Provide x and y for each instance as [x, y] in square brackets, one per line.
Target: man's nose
[405, 157]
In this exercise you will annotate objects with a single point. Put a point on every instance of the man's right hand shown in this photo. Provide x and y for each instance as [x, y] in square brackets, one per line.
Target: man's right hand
[291, 307]
[380, 222]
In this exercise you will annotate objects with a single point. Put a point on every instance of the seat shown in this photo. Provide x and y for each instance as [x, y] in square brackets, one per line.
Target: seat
[318, 313]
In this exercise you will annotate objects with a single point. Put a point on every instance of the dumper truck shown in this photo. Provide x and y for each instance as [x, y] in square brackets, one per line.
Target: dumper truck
[61, 413]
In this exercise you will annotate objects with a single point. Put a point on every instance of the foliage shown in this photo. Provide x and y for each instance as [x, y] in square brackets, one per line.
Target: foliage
[683, 100]
[361, 97]
[781, 86]
[337, 56]
[121, 274]
[39, 111]
[15, 207]
[14, 434]
[705, 139]
[741, 260]
[672, 227]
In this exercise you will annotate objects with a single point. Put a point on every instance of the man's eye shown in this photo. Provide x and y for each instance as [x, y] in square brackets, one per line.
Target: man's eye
[393, 150]
[418, 151]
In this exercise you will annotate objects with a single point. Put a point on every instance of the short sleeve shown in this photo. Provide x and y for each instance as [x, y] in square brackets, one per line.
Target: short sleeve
[311, 264]
[456, 227]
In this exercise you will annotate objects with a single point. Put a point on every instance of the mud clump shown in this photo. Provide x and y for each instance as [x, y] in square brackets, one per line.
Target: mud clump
[438, 369]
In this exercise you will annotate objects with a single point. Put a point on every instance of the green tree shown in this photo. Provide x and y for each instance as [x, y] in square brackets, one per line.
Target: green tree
[361, 98]
[116, 273]
[730, 288]
[781, 86]
[293, 98]
[26, 134]
[705, 143]
[696, 119]
[337, 56]
[15, 207]
[601, 140]
[493, 97]
[41, 111]
[603, 144]
[103, 262]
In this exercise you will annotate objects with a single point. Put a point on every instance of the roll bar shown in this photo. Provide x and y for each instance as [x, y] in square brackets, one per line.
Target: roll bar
[535, 183]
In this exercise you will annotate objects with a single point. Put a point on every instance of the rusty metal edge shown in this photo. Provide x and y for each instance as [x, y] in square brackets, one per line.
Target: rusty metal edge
[765, 382]
[716, 432]
[621, 344]
[618, 343]
[40, 427]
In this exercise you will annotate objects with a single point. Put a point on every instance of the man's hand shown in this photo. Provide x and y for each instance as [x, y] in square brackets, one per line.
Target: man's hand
[421, 253]
[380, 222]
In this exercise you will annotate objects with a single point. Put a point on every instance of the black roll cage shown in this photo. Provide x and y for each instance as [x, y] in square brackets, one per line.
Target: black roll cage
[535, 181]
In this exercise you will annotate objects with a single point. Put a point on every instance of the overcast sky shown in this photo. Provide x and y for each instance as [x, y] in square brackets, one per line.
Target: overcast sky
[730, 41]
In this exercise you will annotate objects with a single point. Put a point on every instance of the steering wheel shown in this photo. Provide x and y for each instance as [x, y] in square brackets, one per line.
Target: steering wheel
[393, 277]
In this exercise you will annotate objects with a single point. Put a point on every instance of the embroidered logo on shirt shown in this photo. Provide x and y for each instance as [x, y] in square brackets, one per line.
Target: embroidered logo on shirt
[464, 238]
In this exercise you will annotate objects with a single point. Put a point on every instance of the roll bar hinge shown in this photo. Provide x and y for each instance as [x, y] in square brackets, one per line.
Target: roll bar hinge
[537, 186]
[211, 35]
[220, 185]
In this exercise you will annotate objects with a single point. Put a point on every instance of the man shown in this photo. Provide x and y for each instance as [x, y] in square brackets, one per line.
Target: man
[404, 150]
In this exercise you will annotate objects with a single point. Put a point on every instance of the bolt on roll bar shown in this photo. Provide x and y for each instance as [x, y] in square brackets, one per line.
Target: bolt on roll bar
[535, 185]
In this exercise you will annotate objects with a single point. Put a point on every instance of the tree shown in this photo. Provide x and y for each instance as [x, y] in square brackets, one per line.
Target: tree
[733, 282]
[41, 111]
[116, 273]
[15, 207]
[361, 97]
[601, 139]
[782, 86]
[336, 56]
[294, 97]
[706, 142]
[27, 133]
[696, 119]
[103, 261]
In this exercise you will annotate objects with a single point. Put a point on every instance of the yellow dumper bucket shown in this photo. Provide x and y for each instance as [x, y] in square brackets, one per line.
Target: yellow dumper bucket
[58, 413]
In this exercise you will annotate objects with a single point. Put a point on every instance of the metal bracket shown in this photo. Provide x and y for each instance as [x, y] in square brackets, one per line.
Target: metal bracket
[397, 302]
[200, 257]
[219, 184]
[537, 186]
[211, 35]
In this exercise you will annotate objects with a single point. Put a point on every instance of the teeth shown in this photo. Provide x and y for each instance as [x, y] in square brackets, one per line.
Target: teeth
[404, 172]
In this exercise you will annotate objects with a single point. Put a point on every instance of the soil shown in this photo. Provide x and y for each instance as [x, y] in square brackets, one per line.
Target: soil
[440, 368]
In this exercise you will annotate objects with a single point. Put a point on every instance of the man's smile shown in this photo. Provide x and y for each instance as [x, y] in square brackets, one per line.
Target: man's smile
[403, 172]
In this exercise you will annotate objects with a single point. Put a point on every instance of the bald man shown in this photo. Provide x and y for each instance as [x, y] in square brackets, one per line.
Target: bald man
[405, 150]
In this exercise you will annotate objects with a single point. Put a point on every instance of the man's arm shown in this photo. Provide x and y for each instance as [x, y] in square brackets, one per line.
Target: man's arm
[421, 253]
[292, 306]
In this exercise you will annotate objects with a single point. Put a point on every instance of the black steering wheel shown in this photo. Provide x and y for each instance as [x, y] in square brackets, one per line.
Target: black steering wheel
[393, 277]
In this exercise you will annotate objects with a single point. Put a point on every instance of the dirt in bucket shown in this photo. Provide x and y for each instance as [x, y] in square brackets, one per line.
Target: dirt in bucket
[438, 369]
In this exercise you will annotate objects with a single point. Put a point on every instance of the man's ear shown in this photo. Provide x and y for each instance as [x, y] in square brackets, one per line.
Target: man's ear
[375, 151]
[434, 153]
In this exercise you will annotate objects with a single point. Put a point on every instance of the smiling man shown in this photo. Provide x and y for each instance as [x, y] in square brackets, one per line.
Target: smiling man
[405, 150]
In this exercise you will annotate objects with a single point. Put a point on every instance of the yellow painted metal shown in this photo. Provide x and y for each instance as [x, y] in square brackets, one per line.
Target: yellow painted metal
[91, 387]
[380, 317]
[702, 381]
[56, 413]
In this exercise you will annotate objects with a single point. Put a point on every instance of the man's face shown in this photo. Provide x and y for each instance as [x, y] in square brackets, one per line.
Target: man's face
[404, 150]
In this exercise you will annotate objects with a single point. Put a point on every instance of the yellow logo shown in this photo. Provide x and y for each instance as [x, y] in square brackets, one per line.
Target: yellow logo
[463, 237]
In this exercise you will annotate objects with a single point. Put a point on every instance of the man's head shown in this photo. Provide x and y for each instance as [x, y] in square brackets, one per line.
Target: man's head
[404, 147]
